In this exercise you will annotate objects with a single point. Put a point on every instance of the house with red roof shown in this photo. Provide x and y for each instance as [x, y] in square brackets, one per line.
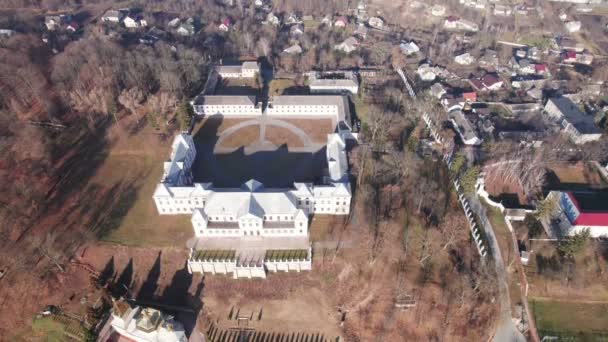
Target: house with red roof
[225, 24]
[341, 21]
[579, 210]
[470, 97]
[540, 69]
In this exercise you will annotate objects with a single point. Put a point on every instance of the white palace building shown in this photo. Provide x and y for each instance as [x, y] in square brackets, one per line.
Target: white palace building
[250, 230]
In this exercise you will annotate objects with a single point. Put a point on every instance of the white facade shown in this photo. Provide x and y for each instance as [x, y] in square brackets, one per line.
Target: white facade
[246, 70]
[251, 230]
[324, 85]
[176, 195]
[461, 24]
[227, 105]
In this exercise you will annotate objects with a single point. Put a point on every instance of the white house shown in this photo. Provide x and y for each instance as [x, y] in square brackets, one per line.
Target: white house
[438, 11]
[348, 46]
[376, 22]
[145, 324]
[341, 22]
[130, 22]
[295, 49]
[455, 23]
[573, 26]
[409, 48]
[579, 126]
[464, 59]
[113, 16]
[273, 19]
[502, 10]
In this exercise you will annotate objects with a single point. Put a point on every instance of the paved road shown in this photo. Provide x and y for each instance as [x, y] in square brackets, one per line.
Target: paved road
[506, 330]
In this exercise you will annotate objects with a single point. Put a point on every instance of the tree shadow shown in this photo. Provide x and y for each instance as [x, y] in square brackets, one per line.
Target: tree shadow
[123, 284]
[149, 286]
[107, 274]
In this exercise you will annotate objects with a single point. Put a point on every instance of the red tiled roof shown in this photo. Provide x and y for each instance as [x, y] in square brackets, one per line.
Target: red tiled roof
[476, 83]
[489, 80]
[472, 96]
[570, 54]
[540, 67]
[588, 218]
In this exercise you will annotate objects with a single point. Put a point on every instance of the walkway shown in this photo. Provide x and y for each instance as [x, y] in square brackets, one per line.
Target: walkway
[506, 330]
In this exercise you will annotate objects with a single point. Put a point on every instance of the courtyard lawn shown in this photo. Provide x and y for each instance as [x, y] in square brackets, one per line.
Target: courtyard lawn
[577, 320]
[278, 86]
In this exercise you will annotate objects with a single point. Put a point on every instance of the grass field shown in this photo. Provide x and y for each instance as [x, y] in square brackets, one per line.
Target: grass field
[59, 329]
[134, 166]
[576, 175]
[582, 321]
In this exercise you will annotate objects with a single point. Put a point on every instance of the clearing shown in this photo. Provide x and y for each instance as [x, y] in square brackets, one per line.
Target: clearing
[579, 176]
[578, 320]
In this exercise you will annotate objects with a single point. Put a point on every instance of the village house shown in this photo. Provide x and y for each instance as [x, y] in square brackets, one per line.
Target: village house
[581, 210]
[455, 23]
[573, 26]
[347, 46]
[502, 10]
[143, 324]
[295, 49]
[341, 21]
[572, 57]
[133, 22]
[54, 22]
[5, 33]
[438, 11]
[463, 127]
[292, 19]
[437, 90]
[186, 29]
[464, 59]
[273, 19]
[488, 82]
[409, 48]
[225, 25]
[113, 16]
[376, 23]
[579, 126]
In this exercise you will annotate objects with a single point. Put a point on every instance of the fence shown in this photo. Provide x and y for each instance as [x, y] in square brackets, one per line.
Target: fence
[480, 242]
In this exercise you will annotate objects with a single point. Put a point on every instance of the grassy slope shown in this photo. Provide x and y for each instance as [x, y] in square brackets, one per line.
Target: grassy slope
[584, 320]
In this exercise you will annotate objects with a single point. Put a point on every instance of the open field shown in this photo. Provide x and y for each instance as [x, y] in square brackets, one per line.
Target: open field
[140, 166]
[583, 321]
[284, 86]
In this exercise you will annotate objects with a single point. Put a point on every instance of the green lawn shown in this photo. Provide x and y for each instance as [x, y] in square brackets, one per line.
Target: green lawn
[58, 329]
[277, 86]
[581, 321]
[136, 221]
[361, 108]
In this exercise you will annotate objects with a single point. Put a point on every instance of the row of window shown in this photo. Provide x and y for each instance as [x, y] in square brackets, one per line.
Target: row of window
[245, 233]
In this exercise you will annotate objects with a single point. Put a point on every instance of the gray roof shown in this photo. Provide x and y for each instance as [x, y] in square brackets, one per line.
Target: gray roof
[230, 69]
[569, 111]
[218, 100]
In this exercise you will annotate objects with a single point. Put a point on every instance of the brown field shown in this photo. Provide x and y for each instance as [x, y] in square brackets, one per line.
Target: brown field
[579, 174]
[502, 189]
[212, 127]
[316, 129]
[245, 136]
[282, 136]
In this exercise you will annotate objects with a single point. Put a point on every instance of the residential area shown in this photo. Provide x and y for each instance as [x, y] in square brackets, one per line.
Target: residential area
[322, 170]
